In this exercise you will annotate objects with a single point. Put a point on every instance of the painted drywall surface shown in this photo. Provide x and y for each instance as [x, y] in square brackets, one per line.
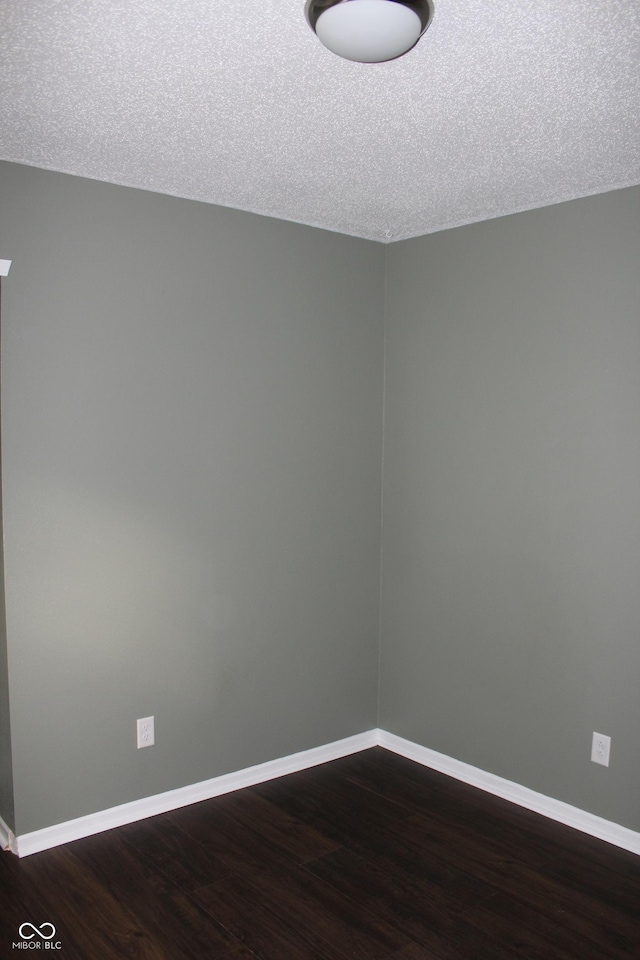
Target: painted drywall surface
[6, 766]
[511, 505]
[192, 448]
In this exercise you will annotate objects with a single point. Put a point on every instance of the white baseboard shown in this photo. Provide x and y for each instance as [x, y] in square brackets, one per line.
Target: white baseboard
[28, 843]
[60, 833]
[522, 796]
[7, 838]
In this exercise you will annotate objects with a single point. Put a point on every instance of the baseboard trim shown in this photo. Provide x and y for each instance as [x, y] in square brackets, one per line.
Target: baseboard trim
[514, 792]
[29, 843]
[7, 838]
[38, 840]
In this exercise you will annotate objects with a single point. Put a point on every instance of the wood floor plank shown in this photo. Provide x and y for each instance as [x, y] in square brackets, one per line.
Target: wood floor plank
[302, 900]
[523, 928]
[471, 814]
[426, 914]
[179, 925]
[312, 790]
[322, 918]
[234, 904]
[241, 953]
[340, 812]
[447, 790]
[85, 914]
[21, 902]
[610, 887]
[396, 853]
[179, 857]
[417, 952]
[378, 881]
[289, 835]
[610, 928]
[237, 846]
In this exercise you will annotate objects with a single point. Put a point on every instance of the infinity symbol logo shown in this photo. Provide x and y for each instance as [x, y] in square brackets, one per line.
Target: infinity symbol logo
[40, 931]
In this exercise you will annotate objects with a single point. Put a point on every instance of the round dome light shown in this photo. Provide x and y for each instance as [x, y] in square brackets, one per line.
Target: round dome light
[369, 31]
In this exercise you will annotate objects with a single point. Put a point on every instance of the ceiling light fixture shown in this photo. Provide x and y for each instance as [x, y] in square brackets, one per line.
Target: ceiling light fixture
[369, 31]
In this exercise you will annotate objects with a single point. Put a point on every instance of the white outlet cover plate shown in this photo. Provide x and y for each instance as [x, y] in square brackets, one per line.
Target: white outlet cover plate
[146, 732]
[600, 748]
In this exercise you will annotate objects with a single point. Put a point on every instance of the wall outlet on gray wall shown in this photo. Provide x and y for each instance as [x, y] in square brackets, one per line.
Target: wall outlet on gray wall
[146, 732]
[600, 747]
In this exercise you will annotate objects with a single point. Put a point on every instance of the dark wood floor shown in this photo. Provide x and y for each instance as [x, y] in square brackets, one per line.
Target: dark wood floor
[371, 857]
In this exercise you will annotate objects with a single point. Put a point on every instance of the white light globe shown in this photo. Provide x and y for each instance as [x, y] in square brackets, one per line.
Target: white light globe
[369, 31]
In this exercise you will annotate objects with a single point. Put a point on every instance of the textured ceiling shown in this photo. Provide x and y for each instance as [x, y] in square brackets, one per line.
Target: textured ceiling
[504, 105]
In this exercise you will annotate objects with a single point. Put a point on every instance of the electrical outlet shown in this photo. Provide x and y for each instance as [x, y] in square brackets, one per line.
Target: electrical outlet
[146, 733]
[600, 747]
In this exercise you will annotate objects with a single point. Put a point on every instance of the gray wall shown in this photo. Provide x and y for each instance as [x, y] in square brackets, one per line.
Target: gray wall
[6, 767]
[511, 519]
[192, 407]
[192, 411]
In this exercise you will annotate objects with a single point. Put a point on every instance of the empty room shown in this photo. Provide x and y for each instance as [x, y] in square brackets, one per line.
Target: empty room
[320, 436]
